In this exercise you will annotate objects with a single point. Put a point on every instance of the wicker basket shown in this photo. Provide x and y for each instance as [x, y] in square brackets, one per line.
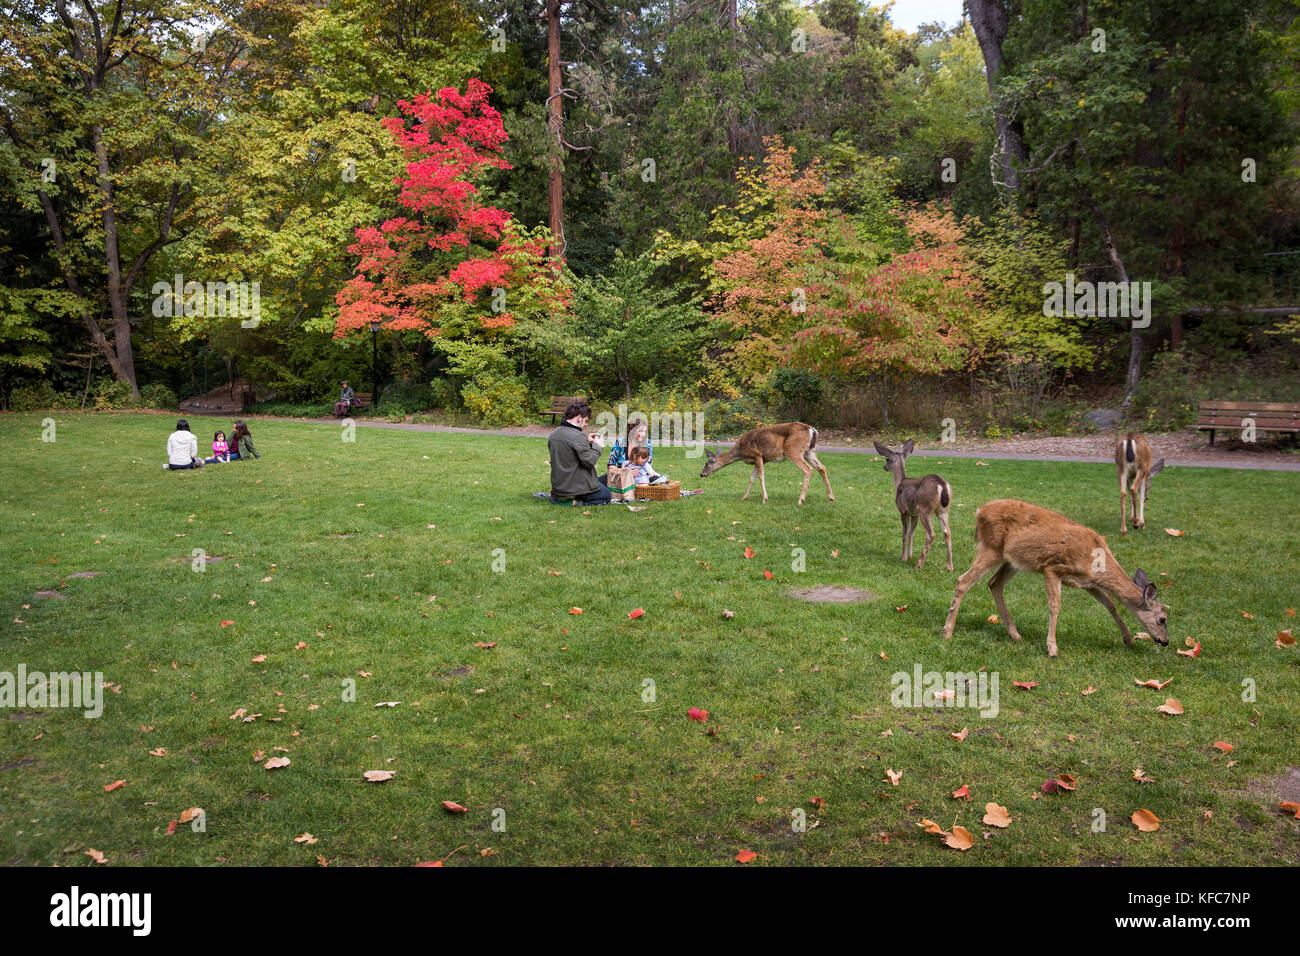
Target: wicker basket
[664, 492]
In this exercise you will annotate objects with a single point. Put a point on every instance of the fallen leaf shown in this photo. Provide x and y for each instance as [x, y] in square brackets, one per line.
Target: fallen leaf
[894, 776]
[1284, 638]
[575, 610]
[1025, 684]
[378, 776]
[744, 856]
[1194, 652]
[1171, 707]
[696, 713]
[452, 807]
[1090, 690]
[259, 658]
[1145, 820]
[227, 623]
[728, 614]
[1173, 532]
[900, 610]
[1140, 776]
[115, 785]
[959, 839]
[487, 851]
[749, 552]
[994, 619]
[633, 615]
[275, 763]
[306, 838]
[1223, 746]
[960, 735]
[485, 644]
[962, 794]
[1291, 807]
[767, 574]
[996, 816]
[1154, 684]
[1247, 615]
[96, 855]
[1066, 782]
[160, 752]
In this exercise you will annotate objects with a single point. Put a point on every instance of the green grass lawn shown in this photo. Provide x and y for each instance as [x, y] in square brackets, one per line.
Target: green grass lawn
[378, 556]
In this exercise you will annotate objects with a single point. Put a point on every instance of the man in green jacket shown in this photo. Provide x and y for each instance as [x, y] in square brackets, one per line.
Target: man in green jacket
[573, 459]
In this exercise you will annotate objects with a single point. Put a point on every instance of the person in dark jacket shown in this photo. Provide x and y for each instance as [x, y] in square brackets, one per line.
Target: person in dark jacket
[347, 398]
[241, 443]
[573, 459]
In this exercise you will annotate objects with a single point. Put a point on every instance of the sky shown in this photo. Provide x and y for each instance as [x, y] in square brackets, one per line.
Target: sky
[909, 14]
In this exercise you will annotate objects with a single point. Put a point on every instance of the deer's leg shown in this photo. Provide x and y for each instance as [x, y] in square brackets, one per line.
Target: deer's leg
[985, 561]
[929, 540]
[996, 584]
[1109, 605]
[1123, 505]
[826, 478]
[1139, 502]
[752, 475]
[807, 473]
[1053, 608]
[762, 477]
[947, 535]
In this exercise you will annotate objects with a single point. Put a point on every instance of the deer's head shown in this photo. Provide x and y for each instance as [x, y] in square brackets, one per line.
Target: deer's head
[1155, 470]
[710, 463]
[894, 459]
[1153, 615]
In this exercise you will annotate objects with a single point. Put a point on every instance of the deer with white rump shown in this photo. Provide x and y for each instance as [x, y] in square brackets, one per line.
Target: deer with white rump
[793, 440]
[1016, 536]
[918, 499]
[1133, 461]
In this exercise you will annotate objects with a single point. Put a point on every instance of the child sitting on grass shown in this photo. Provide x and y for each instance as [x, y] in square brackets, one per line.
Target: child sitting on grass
[639, 459]
[220, 450]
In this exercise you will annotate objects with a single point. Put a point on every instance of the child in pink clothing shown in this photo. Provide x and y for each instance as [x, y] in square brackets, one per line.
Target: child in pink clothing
[220, 450]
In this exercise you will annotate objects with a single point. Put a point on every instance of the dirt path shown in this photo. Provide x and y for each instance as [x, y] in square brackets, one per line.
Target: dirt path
[1185, 449]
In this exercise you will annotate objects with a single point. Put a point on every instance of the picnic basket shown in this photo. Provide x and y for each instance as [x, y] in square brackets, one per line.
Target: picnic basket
[663, 492]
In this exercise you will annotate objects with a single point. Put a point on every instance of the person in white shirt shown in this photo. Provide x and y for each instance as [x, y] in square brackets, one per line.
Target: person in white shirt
[183, 448]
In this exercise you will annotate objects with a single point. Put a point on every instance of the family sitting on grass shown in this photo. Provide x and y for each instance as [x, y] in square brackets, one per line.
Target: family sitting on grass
[574, 454]
[183, 447]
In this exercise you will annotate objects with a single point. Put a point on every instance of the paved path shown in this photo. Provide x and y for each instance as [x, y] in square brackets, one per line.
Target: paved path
[1244, 463]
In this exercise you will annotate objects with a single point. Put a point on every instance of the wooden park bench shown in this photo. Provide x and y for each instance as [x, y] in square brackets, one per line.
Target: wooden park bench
[365, 400]
[1267, 417]
[558, 404]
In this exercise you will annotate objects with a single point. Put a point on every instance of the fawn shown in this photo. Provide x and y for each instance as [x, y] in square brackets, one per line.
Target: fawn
[793, 440]
[918, 498]
[1016, 536]
[1133, 460]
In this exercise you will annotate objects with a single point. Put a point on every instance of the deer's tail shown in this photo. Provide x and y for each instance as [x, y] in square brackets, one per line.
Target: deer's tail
[945, 495]
[813, 443]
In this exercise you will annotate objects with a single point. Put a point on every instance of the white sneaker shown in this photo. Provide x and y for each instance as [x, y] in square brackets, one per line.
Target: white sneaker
[166, 466]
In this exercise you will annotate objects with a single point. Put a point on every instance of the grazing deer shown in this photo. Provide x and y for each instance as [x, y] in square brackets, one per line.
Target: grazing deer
[1016, 536]
[1133, 459]
[793, 440]
[918, 498]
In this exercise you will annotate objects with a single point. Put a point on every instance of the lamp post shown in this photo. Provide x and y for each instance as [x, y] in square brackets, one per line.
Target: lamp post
[374, 364]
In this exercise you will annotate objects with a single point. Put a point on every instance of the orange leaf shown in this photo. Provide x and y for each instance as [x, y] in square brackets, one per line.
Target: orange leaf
[931, 827]
[900, 610]
[749, 553]
[996, 816]
[960, 735]
[1153, 684]
[1145, 820]
[1090, 690]
[116, 784]
[575, 610]
[1195, 649]
[1025, 684]
[1247, 615]
[1173, 532]
[1290, 806]
[744, 856]
[1171, 707]
[959, 839]
[1284, 638]
[1066, 782]
[452, 807]
[962, 794]
[1225, 747]
[767, 574]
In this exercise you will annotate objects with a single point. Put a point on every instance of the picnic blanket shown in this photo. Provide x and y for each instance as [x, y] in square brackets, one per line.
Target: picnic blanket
[547, 496]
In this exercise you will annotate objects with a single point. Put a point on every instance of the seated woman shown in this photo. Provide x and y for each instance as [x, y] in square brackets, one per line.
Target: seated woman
[183, 448]
[241, 443]
[637, 434]
[347, 398]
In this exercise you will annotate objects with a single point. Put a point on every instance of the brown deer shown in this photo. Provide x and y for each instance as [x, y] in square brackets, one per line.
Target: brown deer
[1133, 460]
[793, 440]
[918, 498]
[1016, 536]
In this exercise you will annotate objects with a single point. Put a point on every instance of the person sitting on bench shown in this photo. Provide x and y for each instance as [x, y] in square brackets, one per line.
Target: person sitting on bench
[573, 459]
[347, 399]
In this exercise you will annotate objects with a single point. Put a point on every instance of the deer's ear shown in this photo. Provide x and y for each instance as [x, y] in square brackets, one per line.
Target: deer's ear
[1149, 595]
[908, 446]
[1155, 469]
[708, 455]
[882, 449]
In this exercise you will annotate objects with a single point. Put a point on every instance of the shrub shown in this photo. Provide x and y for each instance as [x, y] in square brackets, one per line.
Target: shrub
[113, 395]
[797, 391]
[725, 418]
[159, 396]
[406, 398]
[1167, 394]
[497, 399]
[33, 397]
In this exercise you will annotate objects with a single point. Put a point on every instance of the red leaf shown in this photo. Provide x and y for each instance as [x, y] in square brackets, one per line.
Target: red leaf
[768, 575]
[454, 807]
[227, 623]
[633, 615]
[1025, 684]
[696, 714]
[744, 856]
[749, 552]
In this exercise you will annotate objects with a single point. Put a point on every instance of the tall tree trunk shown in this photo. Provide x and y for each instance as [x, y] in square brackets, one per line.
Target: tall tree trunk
[989, 20]
[1135, 335]
[555, 124]
[125, 368]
